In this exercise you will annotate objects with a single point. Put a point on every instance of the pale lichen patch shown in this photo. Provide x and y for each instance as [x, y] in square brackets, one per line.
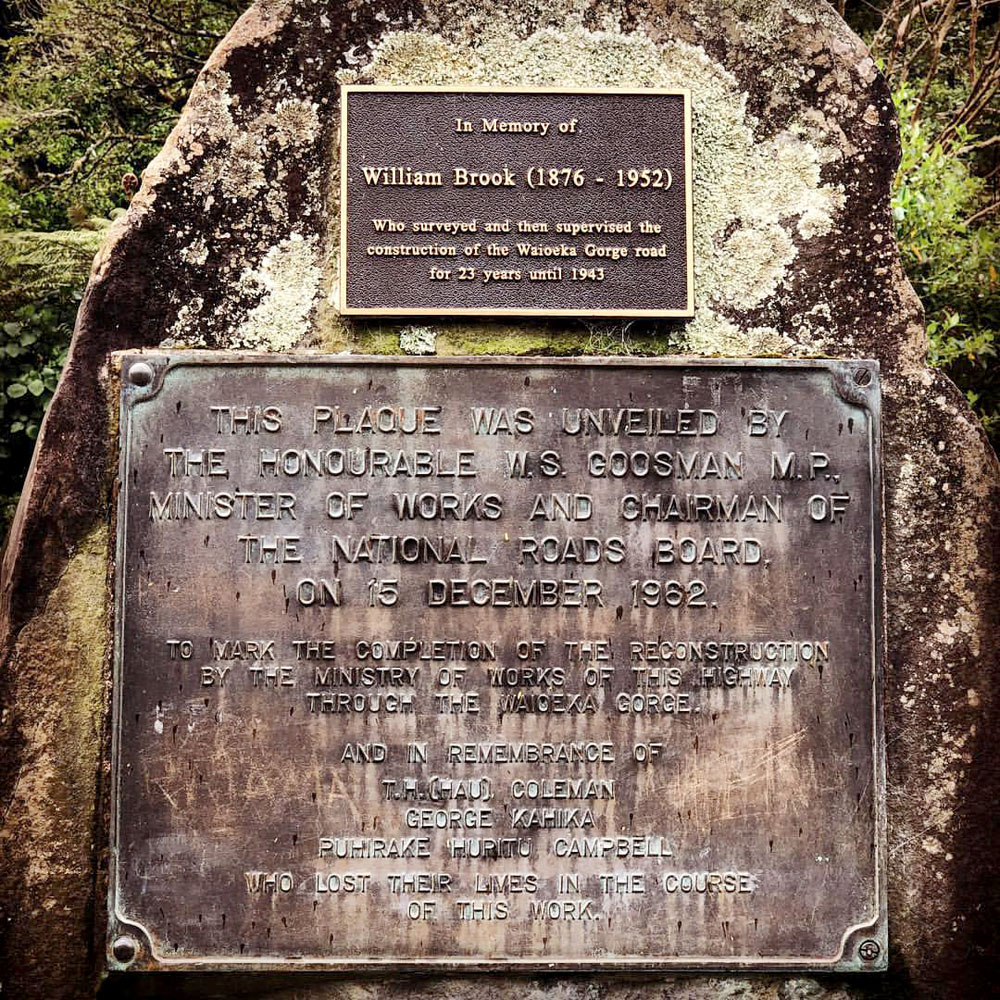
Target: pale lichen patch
[758, 196]
[712, 335]
[241, 174]
[195, 252]
[417, 340]
[289, 276]
[294, 122]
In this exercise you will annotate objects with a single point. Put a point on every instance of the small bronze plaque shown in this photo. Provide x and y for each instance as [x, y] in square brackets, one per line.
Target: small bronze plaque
[477, 664]
[474, 201]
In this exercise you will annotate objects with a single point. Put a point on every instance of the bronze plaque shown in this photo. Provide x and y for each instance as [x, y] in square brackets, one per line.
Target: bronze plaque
[466, 201]
[493, 663]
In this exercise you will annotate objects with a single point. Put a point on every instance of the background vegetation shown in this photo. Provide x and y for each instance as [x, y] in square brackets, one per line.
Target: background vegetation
[90, 88]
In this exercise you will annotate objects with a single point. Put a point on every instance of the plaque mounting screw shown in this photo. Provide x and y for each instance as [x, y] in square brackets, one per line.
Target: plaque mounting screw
[140, 373]
[863, 377]
[124, 949]
[869, 950]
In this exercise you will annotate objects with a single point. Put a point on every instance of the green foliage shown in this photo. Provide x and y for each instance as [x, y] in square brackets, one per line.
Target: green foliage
[41, 276]
[33, 264]
[8, 505]
[89, 92]
[942, 58]
[950, 255]
[33, 343]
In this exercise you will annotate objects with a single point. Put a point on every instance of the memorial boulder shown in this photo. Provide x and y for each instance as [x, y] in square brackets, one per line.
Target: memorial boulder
[497, 530]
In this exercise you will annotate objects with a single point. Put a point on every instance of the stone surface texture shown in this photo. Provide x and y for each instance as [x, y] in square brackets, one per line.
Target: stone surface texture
[230, 243]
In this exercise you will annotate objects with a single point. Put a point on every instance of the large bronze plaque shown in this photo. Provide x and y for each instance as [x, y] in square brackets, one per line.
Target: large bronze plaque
[465, 201]
[466, 663]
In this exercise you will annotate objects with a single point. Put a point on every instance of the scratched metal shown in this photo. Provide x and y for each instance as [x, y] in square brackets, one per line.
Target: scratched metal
[738, 824]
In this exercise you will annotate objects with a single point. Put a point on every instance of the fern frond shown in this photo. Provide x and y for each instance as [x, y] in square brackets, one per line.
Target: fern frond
[33, 263]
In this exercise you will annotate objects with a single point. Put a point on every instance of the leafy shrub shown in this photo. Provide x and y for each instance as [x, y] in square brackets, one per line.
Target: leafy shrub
[33, 344]
[42, 276]
[950, 248]
[89, 90]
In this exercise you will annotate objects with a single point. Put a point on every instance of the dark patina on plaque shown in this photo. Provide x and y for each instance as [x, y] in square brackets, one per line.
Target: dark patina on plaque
[497, 663]
[476, 201]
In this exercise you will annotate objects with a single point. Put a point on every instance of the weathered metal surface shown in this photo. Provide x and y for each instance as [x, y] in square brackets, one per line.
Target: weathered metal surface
[472, 663]
[536, 201]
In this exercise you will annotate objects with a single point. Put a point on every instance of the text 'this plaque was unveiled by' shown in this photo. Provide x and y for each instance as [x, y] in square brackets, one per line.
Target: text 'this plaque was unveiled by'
[463, 663]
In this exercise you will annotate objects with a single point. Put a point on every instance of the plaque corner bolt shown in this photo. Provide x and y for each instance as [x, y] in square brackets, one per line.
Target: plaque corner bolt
[863, 377]
[140, 373]
[869, 950]
[124, 949]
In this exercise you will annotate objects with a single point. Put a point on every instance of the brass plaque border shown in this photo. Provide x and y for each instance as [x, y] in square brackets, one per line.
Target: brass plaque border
[687, 313]
[864, 945]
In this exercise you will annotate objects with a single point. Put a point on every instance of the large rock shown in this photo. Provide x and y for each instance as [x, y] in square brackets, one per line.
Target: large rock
[229, 244]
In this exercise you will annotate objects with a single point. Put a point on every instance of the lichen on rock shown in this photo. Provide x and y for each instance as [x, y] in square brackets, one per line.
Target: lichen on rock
[417, 339]
[289, 277]
[758, 196]
[238, 163]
